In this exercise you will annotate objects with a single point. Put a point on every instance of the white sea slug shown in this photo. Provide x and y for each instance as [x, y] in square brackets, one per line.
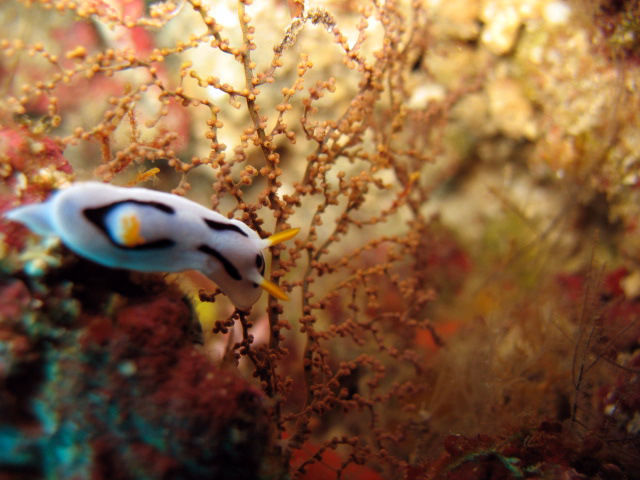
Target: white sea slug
[151, 231]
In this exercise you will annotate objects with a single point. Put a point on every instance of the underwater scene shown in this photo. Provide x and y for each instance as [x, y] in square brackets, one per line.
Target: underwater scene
[320, 239]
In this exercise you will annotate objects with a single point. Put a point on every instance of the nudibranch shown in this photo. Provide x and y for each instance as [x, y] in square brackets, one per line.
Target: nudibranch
[152, 231]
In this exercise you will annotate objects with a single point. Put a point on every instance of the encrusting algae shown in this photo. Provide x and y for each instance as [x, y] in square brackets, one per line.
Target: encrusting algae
[463, 288]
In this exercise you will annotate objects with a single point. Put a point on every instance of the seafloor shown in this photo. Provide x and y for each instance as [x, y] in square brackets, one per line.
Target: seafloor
[464, 293]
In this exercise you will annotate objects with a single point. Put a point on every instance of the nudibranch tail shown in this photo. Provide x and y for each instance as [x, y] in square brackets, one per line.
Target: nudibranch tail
[274, 290]
[282, 236]
[36, 216]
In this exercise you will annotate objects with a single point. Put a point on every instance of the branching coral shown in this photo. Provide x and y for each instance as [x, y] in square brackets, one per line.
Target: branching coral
[146, 90]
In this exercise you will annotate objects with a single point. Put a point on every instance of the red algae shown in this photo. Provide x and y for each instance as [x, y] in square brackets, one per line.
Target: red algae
[27, 152]
[125, 395]
[545, 451]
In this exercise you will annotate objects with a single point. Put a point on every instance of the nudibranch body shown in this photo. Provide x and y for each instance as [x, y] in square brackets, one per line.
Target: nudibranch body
[152, 231]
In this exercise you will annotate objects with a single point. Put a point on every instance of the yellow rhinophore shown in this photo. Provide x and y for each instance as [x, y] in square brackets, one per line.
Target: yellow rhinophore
[280, 237]
[273, 290]
[130, 231]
